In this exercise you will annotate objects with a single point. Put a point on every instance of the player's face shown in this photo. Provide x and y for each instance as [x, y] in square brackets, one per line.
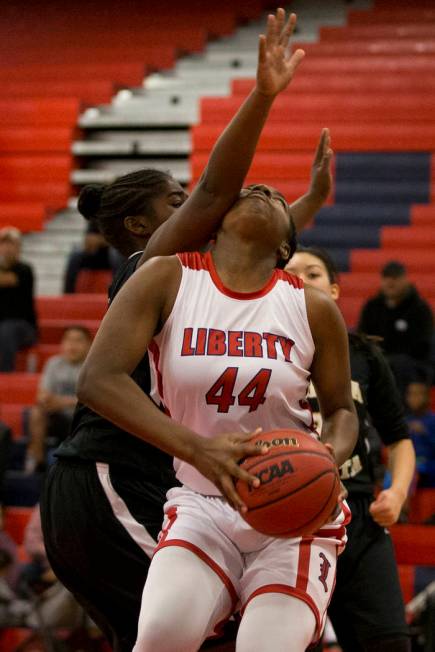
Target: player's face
[313, 272]
[167, 203]
[260, 212]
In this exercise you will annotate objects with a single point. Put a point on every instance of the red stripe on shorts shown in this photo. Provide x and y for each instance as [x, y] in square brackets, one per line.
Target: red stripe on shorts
[294, 592]
[207, 560]
[304, 563]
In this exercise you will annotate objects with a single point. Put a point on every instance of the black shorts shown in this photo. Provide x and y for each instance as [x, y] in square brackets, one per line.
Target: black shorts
[99, 528]
[367, 601]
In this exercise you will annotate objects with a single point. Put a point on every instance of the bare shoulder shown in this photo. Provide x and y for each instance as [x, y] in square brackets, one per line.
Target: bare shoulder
[324, 317]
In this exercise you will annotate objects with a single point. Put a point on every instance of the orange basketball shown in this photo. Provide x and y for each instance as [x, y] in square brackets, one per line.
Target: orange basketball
[299, 485]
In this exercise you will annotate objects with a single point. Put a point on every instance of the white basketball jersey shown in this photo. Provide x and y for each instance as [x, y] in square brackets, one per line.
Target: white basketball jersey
[230, 362]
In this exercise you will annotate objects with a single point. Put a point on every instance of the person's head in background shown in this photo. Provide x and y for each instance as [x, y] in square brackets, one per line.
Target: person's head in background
[75, 344]
[10, 246]
[417, 397]
[395, 283]
[130, 209]
[315, 267]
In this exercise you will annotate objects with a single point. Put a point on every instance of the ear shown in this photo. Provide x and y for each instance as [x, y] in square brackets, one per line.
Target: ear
[335, 291]
[137, 224]
[284, 251]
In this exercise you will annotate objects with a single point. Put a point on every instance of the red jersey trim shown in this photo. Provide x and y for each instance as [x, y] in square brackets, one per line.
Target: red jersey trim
[198, 261]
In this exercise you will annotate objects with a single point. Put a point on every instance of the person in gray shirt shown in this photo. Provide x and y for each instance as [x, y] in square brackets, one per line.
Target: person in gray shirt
[52, 415]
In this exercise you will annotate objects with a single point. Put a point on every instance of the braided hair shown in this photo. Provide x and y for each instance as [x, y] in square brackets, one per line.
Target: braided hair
[131, 194]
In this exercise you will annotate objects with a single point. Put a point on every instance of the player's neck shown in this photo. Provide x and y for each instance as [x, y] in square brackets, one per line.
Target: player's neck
[240, 267]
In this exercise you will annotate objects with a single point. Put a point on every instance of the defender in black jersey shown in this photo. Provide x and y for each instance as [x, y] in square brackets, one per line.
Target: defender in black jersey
[367, 609]
[102, 505]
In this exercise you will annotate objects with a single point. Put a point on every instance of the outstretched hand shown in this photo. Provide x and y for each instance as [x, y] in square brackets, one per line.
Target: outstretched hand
[321, 175]
[276, 64]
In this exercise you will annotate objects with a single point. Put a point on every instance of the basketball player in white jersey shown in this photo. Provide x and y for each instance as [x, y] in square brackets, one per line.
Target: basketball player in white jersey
[235, 342]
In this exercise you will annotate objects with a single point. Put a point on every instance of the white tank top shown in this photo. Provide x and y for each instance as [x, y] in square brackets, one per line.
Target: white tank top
[231, 362]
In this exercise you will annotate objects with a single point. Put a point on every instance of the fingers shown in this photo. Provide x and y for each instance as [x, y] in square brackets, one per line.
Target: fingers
[321, 146]
[296, 59]
[271, 30]
[288, 30]
[230, 493]
[262, 49]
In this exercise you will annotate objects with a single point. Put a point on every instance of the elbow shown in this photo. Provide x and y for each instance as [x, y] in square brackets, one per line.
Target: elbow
[87, 386]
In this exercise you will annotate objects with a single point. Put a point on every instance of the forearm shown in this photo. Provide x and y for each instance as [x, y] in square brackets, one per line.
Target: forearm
[119, 399]
[232, 154]
[401, 461]
[340, 429]
[305, 208]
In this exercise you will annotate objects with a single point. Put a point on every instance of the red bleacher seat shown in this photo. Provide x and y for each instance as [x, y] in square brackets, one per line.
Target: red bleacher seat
[15, 522]
[414, 544]
[323, 108]
[91, 91]
[93, 281]
[28, 215]
[49, 168]
[423, 214]
[294, 135]
[381, 47]
[382, 31]
[18, 388]
[407, 579]
[34, 358]
[72, 306]
[422, 506]
[51, 330]
[35, 140]
[401, 15]
[62, 112]
[370, 260]
[416, 237]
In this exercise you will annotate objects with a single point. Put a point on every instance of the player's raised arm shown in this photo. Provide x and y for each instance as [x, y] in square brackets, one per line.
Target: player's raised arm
[304, 209]
[198, 218]
[330, 373]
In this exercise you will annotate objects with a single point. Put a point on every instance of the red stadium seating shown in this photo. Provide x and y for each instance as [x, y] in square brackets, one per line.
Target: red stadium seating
[72, 306]
[12, 415]
[422, 506]
[414, 544]
[36, 140]
[18, 388]
[29, 215]
[92, 282]
[16, 520]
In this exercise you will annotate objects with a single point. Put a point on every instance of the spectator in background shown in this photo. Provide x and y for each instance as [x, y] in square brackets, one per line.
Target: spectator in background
[421, 423]
[52, 415]
[17, 311]
[95, 255]
[404, 320]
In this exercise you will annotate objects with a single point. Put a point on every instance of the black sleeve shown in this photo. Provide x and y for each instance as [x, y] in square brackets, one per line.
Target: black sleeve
[383, 400]
[123, 274]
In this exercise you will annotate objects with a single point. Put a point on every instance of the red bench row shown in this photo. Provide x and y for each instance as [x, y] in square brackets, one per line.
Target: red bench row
[296, 135]
[350, 82]
[325, 108]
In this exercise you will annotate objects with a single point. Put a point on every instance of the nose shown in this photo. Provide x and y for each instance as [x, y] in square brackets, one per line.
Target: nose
[264, 189]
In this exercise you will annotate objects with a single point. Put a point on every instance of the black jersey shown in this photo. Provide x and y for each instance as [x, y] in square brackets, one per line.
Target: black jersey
[94, 438]
[377, 404]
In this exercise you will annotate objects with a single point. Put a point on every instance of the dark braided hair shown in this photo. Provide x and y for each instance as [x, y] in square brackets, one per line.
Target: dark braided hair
[131, 194]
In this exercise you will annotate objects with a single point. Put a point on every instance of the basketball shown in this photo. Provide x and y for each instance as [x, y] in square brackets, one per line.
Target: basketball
[299, 485]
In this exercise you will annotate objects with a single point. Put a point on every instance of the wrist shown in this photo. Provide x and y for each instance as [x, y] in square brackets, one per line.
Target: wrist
[399, 492]
[263, 95]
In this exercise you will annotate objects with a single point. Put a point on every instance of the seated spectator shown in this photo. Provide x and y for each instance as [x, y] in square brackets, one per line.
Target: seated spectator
[95, 255]
[17, 311]
[52, 415]
[421, 422]
[404, 321]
